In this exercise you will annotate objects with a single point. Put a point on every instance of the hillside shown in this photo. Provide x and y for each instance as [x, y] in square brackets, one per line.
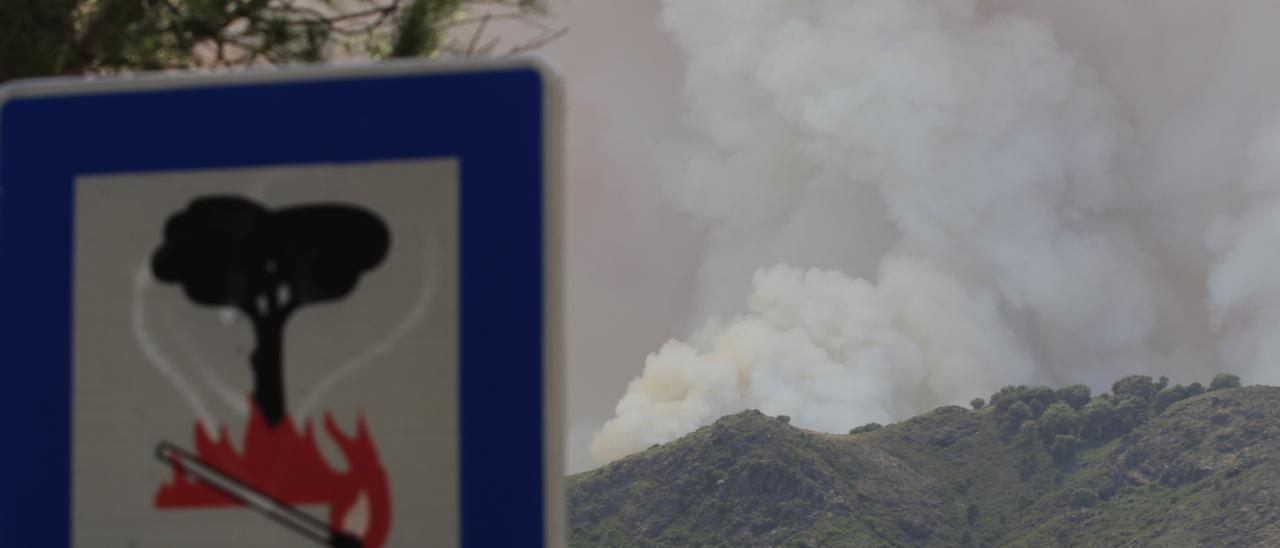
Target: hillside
[1185, 470]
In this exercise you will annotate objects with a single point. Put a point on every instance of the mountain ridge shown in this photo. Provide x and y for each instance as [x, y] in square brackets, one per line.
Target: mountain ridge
[1196, 470]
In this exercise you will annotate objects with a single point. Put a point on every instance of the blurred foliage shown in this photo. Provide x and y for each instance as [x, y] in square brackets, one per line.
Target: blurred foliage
[69, 37]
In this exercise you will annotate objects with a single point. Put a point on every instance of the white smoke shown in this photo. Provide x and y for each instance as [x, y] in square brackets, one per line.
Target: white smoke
[1008, 192]
[809, 345]
[1245, 284]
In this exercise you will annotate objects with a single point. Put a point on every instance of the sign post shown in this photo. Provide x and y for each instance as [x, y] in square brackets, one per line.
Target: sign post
[312, 307]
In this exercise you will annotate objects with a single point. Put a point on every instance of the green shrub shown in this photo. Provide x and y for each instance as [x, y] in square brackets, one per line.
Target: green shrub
[1076, 395]
[1084, 498]
[1037, 408]
[1064, 449]
[1017, 414]
[1063, 536]
[1224, 380]
[1170, 396]
[1027, 435]
[1059, 418]
[1130, 412]
[869, 427]
[1005, 398]
[1096, 419]
[1027, 467]
[1138, 386]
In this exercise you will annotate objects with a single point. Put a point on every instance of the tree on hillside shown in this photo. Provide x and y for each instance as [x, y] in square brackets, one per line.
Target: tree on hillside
[1026, 437]
[1014, 417]
[69, 37]
[1042, 394]
[1037, 408]
[1034, 397]
[1064, 449]
[1177, 393]
[1130, 411]
[1138, 386]
[1006, 397]
[1096, 419]
[1068, 419]
[1224, 380]
[1076, 395]
[1059, 418]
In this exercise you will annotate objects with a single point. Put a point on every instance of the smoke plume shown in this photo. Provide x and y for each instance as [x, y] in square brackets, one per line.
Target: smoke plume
[970, 194]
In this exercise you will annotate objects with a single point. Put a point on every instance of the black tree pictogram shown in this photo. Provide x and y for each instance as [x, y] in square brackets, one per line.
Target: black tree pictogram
[229, 251]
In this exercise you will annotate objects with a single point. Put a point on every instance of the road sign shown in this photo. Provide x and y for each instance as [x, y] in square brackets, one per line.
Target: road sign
[312, 307]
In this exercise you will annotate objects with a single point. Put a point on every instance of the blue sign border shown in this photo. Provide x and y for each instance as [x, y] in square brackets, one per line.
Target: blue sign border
[493, 121]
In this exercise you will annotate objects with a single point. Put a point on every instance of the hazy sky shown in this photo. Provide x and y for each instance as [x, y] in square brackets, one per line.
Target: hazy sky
[632, 258]
[999, 190]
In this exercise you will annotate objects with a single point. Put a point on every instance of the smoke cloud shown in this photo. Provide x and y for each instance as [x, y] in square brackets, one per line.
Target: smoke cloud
[973, 194]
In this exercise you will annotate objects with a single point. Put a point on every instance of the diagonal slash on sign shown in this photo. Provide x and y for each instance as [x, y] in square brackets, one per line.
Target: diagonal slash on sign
[295, 520]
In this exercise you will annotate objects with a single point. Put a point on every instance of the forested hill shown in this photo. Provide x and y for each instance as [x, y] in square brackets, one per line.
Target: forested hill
[1144, 465]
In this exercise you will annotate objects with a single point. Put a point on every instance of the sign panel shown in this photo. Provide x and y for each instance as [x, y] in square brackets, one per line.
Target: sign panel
[311, 308]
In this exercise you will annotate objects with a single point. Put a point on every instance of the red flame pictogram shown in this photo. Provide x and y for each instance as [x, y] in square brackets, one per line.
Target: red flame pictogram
[287, 466]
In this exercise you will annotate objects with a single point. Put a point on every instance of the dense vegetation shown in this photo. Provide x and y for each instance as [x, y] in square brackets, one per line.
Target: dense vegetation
[1064, 421]
[1146, 464]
